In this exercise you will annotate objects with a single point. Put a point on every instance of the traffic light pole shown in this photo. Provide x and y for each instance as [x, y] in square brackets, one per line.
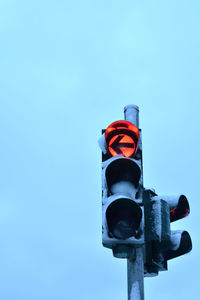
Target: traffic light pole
[131, 114]
[135, 266]
[135, 274]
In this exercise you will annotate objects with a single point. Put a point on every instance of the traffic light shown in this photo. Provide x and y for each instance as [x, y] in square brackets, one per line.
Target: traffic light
[162, 244]
[180, 242]
[136, 221]
[122, 188]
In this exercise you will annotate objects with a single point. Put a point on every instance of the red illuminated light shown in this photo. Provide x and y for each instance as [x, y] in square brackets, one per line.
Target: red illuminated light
[181, 210]
[122, 138]
[176, 214]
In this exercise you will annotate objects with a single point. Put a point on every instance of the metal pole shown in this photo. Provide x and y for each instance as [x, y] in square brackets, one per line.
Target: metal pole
[131, 114]
[135, 276]
[135, 267]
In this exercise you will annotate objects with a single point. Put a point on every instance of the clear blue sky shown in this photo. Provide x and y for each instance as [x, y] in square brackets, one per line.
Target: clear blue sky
[67, 69]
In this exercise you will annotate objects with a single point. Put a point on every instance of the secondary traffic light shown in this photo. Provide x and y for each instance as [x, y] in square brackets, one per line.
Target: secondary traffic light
[180, 242]
[162, 244]
[122, 188]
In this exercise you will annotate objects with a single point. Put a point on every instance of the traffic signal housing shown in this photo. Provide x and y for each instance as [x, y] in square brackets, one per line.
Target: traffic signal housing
[122, 212]
[162, 244]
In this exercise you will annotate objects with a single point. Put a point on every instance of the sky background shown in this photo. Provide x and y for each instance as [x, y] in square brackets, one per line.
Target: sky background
[67, 69]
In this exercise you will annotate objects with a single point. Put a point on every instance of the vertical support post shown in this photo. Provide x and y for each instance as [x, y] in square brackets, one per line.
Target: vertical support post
[131, 114]
[135, 267]
[135, 276]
